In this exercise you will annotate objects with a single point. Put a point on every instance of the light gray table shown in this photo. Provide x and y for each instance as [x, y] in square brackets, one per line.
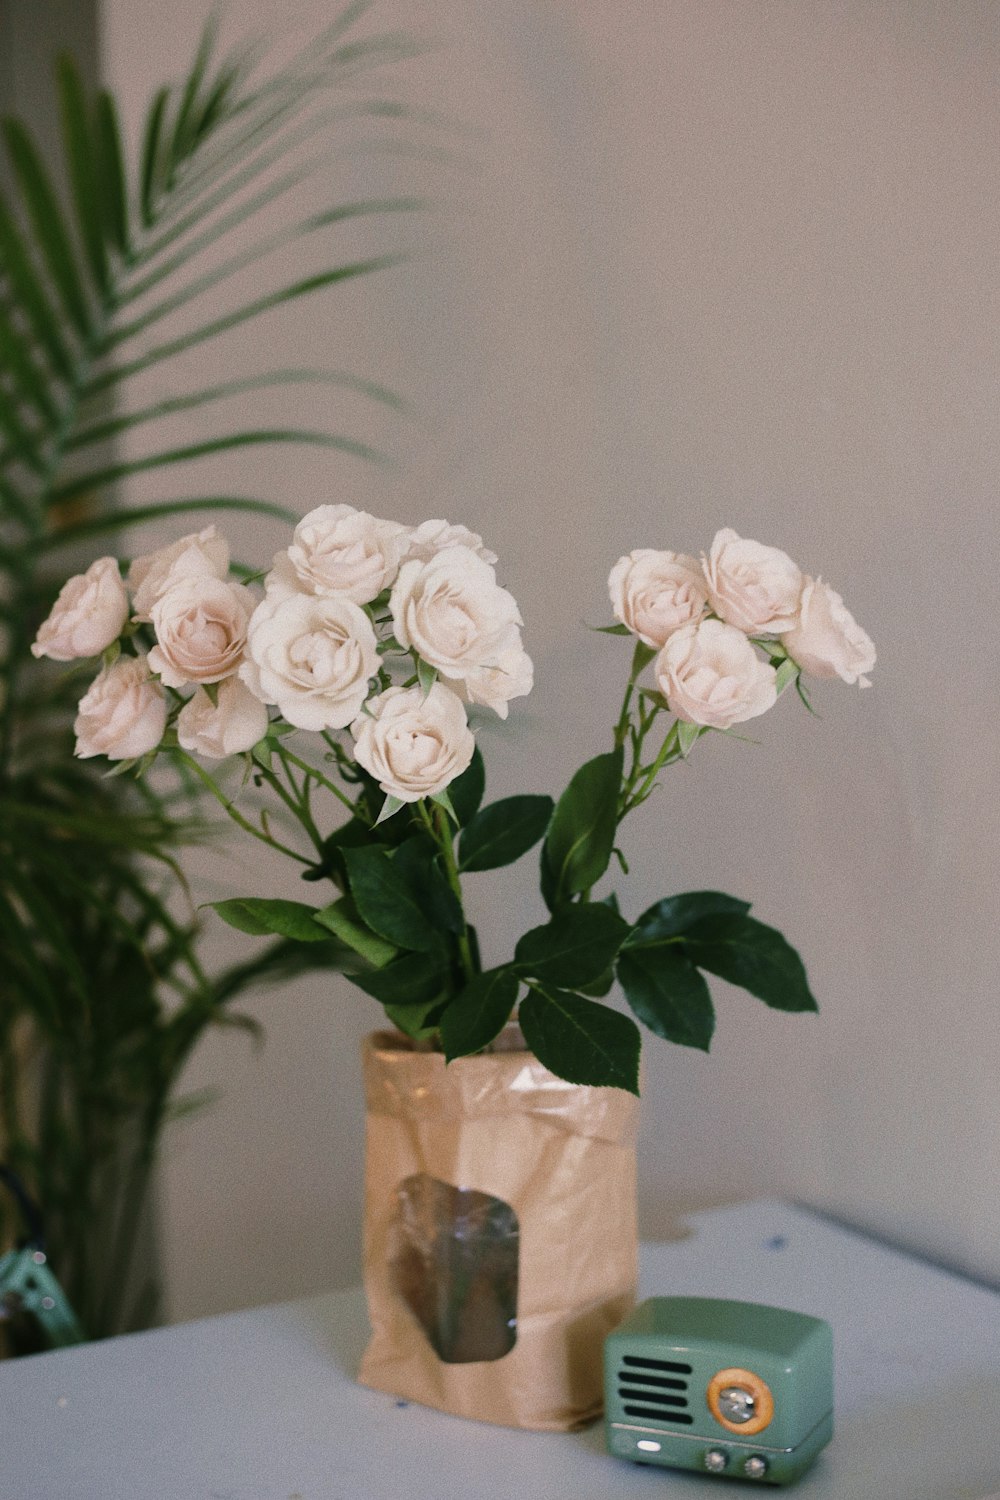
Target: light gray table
[261, 1405]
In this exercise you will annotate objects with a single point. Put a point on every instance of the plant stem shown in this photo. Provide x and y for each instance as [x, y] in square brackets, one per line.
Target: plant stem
[439, 827]
[237, 817]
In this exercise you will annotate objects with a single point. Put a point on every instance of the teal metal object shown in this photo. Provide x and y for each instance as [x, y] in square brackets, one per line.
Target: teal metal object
[28, 1287]
[735, 1389]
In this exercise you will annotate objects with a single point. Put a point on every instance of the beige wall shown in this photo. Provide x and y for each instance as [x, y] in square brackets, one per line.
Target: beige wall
[694, 265]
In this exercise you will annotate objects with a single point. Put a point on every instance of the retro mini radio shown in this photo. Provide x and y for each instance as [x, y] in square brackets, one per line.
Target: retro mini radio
[729, 1388]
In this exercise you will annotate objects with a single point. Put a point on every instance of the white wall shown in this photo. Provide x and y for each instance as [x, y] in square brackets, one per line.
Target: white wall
[697, 265]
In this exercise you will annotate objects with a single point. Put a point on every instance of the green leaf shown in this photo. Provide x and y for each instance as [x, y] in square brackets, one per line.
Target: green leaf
[390, 807]
[467, 790]
[582, 832]
[641, 658]
[83, 173]
[478, 1015]
[502, 832]
[787, 672]
[111, 521]
[666, 992]
[674, 915]
[413, 979]
[580, 1040]
[288, 919]
[32, 295]
[418, 1020]
[151, 147]
[386, 902]
[688, 736]
[610, 629]
[577, 947]
[341, 918]
[111, 171]
[418, 862]
[47, 221]
[426, 675]
[753, 956]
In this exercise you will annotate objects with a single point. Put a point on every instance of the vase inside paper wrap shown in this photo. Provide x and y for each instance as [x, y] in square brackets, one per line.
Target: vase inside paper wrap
[500, 1232]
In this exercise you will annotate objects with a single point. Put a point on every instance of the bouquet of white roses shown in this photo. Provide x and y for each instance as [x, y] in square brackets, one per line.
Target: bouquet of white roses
[348, 687]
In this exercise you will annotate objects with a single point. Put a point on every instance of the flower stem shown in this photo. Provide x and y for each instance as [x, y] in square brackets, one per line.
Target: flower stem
[237, 817]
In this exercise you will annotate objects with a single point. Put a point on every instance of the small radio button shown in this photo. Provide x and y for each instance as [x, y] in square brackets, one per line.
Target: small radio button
[755, 1466]
[716, 1461]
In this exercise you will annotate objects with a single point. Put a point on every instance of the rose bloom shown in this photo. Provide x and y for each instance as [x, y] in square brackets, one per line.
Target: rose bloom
[337, 550]
[232, 724]
[827, 641]
[123, 713]
[656, 593]
[413, 744]
[453, 613]
[88, 615]
[753, 587]
[201, 630]
[201, 554]
[431, 537]
[710, 674]
[311, 657]
[511, 676]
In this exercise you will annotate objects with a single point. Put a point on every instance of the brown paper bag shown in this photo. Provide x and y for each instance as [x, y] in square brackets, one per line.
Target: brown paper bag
[500, 1233]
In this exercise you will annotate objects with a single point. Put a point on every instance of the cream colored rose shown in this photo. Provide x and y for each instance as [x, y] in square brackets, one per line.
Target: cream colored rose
[235, 722]
[201, 630]
[88, 615]
[311, 657]
[656, 593]
[827, 641]
[453, 613]
[413, 745]
[753, 587]
[337, 550]
[201, 554]
[512, 676]
[123, 713]
[431, 537]
[710, 674]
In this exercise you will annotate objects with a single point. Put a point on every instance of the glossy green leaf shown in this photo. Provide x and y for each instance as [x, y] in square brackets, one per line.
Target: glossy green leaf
[502, 832]
[580, 1040]
[577, 947]
[467, 790]
[419, 863]
[753, 956]
[413, 979]
[288, 919]
[666, 992]
[385, 900]
[479, 1013]
[675, 914]
[582, 832]
[418, 1020]
[342, 919]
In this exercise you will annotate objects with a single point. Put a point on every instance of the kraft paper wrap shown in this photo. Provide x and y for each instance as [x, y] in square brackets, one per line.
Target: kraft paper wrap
[563, 1157]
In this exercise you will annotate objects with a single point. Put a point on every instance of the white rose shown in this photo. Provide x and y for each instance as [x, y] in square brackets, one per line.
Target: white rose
[431, 537]
[202, 554]
[710, 674]
[453, 613]
[656, 593]
[201, 630]
[88, 615]
[413, 745]
[337, 550]
[827, 640]
[311, 657]
[233, 724]
[753, 587]
[493, 687]
[123, 713]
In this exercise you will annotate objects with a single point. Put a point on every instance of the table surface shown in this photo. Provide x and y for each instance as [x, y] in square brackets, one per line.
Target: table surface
[261, 1405]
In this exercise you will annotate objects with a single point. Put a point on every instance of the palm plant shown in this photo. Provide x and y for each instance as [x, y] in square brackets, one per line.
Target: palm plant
[102, 995]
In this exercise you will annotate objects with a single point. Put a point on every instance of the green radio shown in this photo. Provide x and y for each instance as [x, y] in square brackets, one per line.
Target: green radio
[735, 1389]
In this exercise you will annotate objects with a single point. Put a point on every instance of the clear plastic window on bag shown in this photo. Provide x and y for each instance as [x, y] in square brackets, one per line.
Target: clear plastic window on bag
[455, 1264]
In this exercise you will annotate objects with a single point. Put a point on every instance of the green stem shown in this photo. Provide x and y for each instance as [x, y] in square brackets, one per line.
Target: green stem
[237, 817]
[317, 776]
[439, 827]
